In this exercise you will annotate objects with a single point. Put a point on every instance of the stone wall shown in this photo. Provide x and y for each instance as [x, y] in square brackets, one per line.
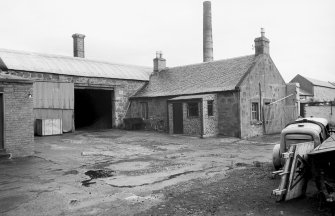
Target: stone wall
[192, 125]
[18, 118]
[170, 116]
[123, 89]
[321, 111]
[210, 123]
[264, 74]
[324, 94]
[157, 112]
[228, 114]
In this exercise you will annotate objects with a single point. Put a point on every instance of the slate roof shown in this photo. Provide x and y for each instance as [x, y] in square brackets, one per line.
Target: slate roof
[320, 83]
[64, 65]
[215, 76]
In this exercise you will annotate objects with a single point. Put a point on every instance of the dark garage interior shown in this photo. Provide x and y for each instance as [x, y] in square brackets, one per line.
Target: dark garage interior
[93, 108]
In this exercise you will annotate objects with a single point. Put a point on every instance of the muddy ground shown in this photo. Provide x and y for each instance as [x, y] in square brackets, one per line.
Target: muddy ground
[118, 172]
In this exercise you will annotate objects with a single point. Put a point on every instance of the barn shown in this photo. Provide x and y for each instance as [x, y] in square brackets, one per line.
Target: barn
[83, 93]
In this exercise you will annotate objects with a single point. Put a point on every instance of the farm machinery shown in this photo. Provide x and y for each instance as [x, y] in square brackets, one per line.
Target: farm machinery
[306, 152]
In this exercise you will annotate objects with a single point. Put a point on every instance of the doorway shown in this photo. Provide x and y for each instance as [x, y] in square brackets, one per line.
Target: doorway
[178, 118]
[93, 108]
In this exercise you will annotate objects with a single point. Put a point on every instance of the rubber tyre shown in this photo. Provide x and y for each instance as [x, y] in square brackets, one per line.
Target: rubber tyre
[276, 160]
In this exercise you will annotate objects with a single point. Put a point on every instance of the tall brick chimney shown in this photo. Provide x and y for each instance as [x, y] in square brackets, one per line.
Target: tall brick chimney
[262, 44]
[159, 62]
[207, 32]
[78, 45]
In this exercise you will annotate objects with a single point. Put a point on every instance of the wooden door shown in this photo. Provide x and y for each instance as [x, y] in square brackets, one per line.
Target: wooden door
[177, 118]
[1, 123]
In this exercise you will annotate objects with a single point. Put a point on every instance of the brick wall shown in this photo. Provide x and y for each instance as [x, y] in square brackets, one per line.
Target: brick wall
[273, 87]
[123, 89]
[19, 131]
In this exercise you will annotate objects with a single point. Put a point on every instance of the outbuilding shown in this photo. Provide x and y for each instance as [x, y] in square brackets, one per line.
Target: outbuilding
[241, 97]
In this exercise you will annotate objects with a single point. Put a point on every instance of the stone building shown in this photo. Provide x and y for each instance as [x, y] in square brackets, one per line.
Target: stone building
[314, 90]
[16, 116]
[82, 92]
[223, 97]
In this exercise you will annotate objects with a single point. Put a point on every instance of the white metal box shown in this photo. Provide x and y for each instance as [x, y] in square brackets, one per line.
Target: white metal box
[46, 127]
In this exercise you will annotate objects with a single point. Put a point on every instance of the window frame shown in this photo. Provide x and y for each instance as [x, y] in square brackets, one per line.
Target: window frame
[210, 107]
[254, 111]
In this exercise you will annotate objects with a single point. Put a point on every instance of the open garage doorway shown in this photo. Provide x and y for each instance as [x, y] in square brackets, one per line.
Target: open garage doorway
[93, 108]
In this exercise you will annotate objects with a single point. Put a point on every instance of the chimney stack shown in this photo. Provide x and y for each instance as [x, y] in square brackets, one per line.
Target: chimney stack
[159, 62]
[262, 44]
[207, 32]
[78, 45]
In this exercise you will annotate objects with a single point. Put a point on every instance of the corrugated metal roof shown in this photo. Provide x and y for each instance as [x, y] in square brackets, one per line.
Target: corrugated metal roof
[222, 75]
[56, 64]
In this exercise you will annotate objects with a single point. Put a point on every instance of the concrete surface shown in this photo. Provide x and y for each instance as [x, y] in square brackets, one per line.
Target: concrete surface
[138, 165]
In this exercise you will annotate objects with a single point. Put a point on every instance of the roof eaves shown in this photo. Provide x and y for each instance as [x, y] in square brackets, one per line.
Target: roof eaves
[201, 93]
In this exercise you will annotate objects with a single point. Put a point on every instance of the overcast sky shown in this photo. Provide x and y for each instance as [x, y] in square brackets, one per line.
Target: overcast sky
[301, 32]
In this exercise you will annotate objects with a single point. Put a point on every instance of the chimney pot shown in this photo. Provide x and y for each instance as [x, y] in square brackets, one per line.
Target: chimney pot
[159, 62]
[78, 45]
[262, 32]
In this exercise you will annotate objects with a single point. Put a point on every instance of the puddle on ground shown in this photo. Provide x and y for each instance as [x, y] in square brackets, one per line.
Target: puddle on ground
[95, 174]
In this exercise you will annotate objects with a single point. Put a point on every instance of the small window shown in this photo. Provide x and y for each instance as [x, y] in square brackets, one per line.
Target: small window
[192, 109]
[210, 107]
[254, 111]
[144, 110]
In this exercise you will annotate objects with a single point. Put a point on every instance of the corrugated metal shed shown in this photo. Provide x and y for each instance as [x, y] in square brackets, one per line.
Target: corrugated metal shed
[56, 64]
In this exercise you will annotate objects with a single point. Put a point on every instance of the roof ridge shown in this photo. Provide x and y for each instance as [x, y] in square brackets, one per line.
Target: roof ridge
[68, 57]
[220, 60]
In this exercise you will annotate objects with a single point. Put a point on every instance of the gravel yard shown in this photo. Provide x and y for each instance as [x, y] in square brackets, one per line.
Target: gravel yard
[117, 172]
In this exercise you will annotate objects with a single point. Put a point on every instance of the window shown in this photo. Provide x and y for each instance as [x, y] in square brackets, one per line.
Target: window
[144, 110]
[254, 111]
[210, 108]
[192, 109]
